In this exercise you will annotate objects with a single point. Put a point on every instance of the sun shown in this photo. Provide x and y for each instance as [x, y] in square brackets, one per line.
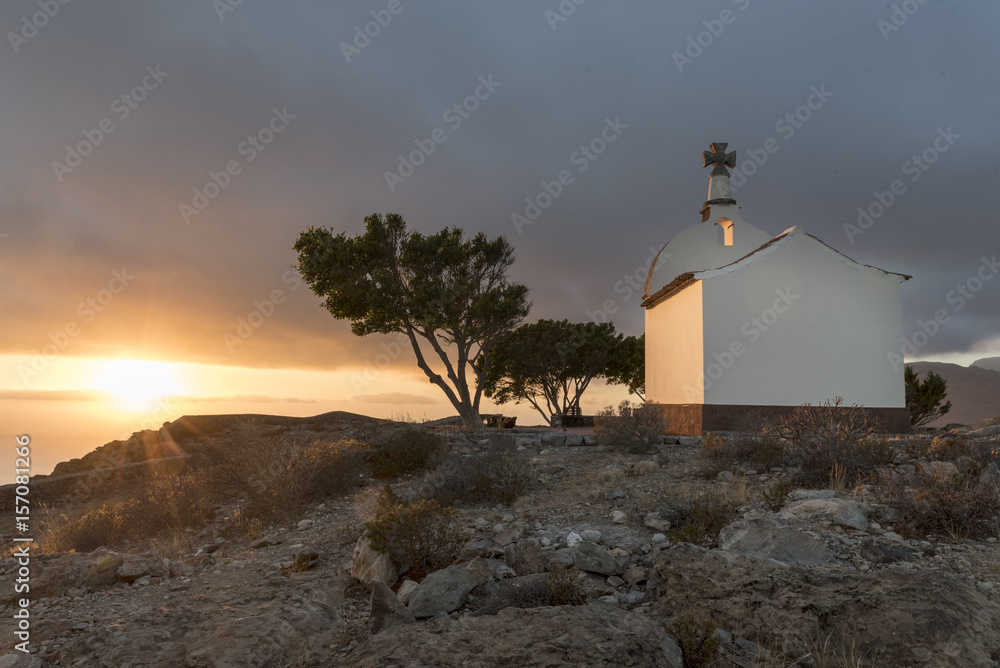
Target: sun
[137, 381]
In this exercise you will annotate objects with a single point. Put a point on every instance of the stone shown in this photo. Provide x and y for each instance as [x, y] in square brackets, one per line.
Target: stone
[593, 558]
[305, 558]
[804, 494]
[613, 494]
[594, 634]
[135, 567]
[655, 522]
[304, 524]
[574, 440]
[615, 581]
[844, 513]
[268, 541]
[54, 574]
[763, 536]
[881, 552]
[618, 517]
[689, 440]
[989, 479]
[367, 565]
[477, 547]
[406, 590]
[441, 591]
[386, 611]
[528, 557]
[886, 613]
[573, 538]
[635, 575]
[509, 535]
[479, 569]
[725, 476]
[563, 557]
[593, 535]
[553, 438]
[945, 471]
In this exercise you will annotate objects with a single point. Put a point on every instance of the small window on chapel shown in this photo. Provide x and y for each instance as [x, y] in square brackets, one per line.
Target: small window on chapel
[725, 232]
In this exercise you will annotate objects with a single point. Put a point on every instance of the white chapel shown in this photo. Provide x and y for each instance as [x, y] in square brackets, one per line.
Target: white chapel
[741, 325]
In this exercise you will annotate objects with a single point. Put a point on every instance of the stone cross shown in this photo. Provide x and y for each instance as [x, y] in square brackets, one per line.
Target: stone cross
[719, 157]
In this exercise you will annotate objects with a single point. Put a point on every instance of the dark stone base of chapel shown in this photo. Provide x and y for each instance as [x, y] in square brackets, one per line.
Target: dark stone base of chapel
[699, 419]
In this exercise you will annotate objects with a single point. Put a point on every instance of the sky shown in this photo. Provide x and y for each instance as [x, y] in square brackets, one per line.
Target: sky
[158, 161]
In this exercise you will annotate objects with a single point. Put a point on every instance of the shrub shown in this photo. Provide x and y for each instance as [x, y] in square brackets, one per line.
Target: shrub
[697, 641]
[98, 528]
[562, 586]
[830, 439]
[496, 477]
[950, 507]
[634, 429]
[419, 533]
[274, 475]
[710, 513]
[776, 495]
[406, 452]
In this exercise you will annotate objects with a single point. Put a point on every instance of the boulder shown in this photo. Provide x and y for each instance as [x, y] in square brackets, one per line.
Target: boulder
[945, 471]
[509, 535]
[386, 611]
[764, 536]
[138, 566]
[367, 565]
[477, 547]
[595, 634]
[479, 569]
[405, 590]
[893, 613]
[591, 557]
[55, 574]
[844, 513]
[441, 591]
[989, 479]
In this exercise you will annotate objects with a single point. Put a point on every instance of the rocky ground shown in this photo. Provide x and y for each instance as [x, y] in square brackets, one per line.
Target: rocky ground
[823, 575]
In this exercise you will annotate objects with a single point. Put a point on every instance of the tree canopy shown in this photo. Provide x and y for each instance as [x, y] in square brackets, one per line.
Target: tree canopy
[628, 365]
[549, 364]
[925, 399]
[450, 291]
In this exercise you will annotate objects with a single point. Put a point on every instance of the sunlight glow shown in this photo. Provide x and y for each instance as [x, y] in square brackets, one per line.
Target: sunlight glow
[137, 381]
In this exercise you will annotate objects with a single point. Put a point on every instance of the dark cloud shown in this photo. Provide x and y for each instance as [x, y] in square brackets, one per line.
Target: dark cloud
[194, 282]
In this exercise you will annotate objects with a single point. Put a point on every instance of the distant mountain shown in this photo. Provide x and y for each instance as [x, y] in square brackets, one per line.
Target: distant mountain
[991, 363]
[974, 391]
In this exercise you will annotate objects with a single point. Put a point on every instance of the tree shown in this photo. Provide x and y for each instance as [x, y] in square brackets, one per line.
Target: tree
[925, 400]
[628, 365]
[550, 363]
[450, 291]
